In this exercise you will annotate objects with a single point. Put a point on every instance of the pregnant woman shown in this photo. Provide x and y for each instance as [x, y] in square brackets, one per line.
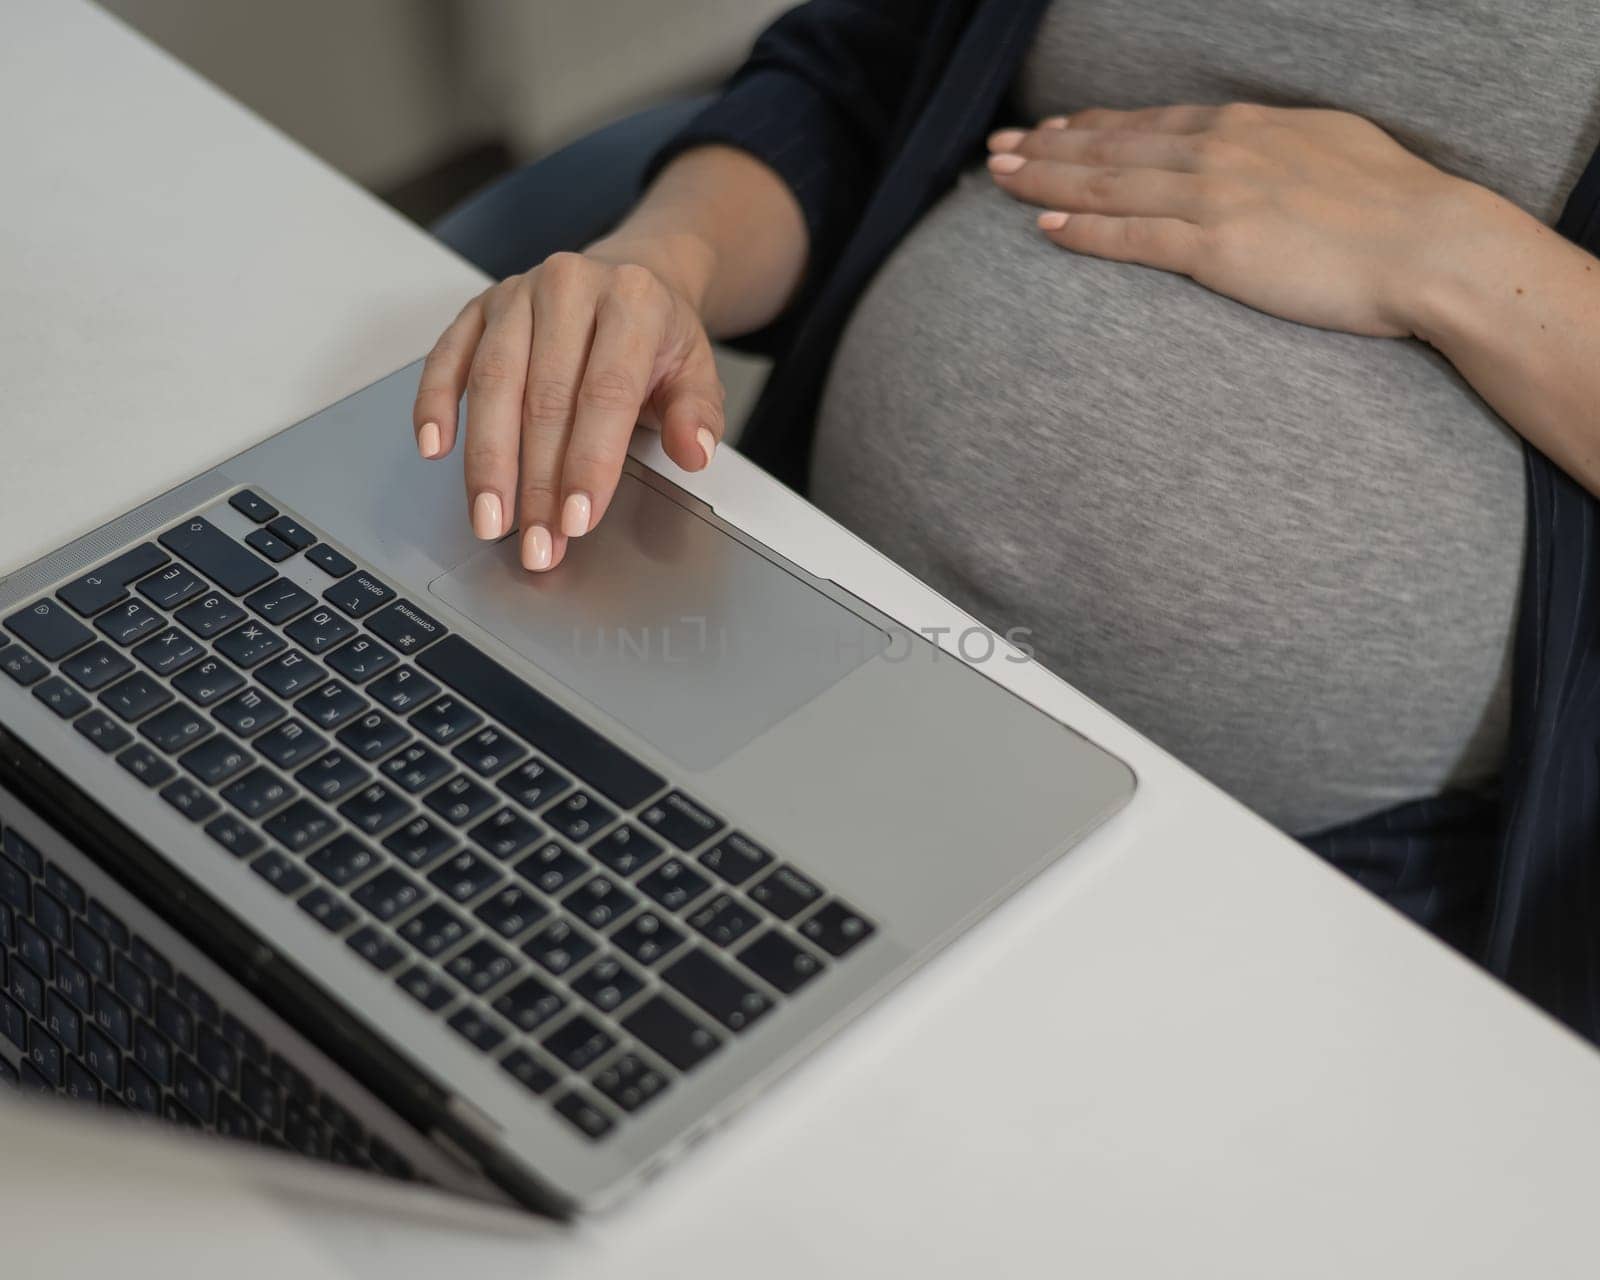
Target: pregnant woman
[1218, 376]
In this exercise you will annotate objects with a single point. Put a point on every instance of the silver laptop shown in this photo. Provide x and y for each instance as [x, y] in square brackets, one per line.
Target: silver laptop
[328, 828]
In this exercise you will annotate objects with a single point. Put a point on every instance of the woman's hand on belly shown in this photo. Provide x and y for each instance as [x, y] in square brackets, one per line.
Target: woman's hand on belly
[1314, 216]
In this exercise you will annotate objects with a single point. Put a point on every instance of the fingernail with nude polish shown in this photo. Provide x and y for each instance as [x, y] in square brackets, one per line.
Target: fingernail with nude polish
[486, 516]
[707, 443]
[1052, 221]
[1054, 122]
[1006, 139]
[428, 440]
[1006, 162]
[536, 548]
[575, 515]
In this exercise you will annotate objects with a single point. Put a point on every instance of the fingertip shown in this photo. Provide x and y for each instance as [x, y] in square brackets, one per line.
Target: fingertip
[1052, 220]
[430, 443]
[1006, 139]
[707, 443]
[538, 549]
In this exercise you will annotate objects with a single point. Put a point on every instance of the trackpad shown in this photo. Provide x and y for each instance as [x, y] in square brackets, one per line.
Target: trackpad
[668, 624]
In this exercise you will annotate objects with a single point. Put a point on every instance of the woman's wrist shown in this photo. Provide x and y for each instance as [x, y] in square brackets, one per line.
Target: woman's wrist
[681, 260]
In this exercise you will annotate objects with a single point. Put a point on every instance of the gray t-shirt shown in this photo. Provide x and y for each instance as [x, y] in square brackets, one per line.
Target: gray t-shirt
[1289, 556]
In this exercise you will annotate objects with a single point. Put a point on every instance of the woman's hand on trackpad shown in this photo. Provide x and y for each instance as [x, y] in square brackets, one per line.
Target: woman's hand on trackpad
[558, 365]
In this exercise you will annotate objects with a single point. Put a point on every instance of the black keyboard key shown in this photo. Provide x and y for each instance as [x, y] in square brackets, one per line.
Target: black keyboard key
[153, 1052]
[362, 658]
[208, 681]
[197, 998]
[218, 1058]
[290, 674]
[579, 1042]
[60, 697]
[838, 928]
[269, 544]
[343, 860]
[135, 696]
[112, 1017]
[293, 1080]
[381, 952]
[108, 924]
[234, 836]
[145, 765]
[584, 1115]
[249, 712]
[625, 849]
[551, 867]
[534, 784]
[724, 920]
[319, 630]
[608, 984]
[727, 998]
[50, 630]
[506, 833]
[13, 1023]
[103, 731]
[168, 652]
[252, 505]
[193, 1088]
[327, 909]
[460, 800]
[660, 1025]
[579, 816]
[528, 1071]
[34, 949]
[133, 984]
[681, 820]
[249, 644]
[402, 690]
[425, 989]
[129, 623]
[405, 626]
[465, 876]
[175, 1020]
[97, 666]
[630, 1082]
[648, 937]
[674, 884]
[140, 1092]
[434, 930]
[474, 1026]
[779, 962]
[263, 1095]
[480, 967]
[21, 665]
[489, 750]
[175, 729]
[8, 936]
[92, 951]
[46, 1054]
[233, 1121]
[81, 1085]
[535, 718]
[22, 852]
[193, 803]
[280, 601]
[785, 893]
[65, 888]
[104, 586]
[374, 735]
[374, 808]
[15, 887]
[511, 911]
[258, 792]
[529, 1005]
[331, 562]
[445, 720]
[151, 961]
[600, 902]
[331, 775]
[290, 744]
[389, 894]
[172, 587]
[292, 532]
[332, 705]
[358, 595]
[416, 768]
[216, 555]
[558, 947]
[210, 615]
[64, 1021]
[419, 843]
[216, 760]
[300, 826]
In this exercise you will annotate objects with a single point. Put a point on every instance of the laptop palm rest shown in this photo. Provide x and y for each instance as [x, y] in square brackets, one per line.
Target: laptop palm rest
[668, 624]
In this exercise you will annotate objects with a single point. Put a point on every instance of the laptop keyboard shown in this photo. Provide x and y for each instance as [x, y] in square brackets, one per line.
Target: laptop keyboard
[556, 902]
[100, 1015]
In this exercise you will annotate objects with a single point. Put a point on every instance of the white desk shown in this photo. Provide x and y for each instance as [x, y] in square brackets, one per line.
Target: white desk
[1190, 1049]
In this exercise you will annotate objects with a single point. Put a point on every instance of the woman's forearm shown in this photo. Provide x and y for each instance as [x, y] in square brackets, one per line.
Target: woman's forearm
[1516, 308]
[723, 229]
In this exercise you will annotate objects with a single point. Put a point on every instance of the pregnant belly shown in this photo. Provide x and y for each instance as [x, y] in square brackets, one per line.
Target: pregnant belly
[1289, 556]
